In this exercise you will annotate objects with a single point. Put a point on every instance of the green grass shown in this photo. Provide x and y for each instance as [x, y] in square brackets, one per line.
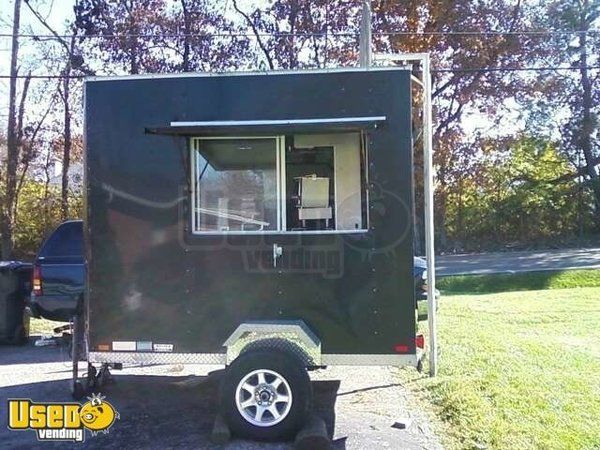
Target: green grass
[519, 370]
[526, 281]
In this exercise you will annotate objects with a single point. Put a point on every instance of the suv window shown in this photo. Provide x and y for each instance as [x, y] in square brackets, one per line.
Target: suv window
[67, 240]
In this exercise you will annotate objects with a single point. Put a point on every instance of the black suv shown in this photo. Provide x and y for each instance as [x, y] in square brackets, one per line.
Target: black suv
[59, 274]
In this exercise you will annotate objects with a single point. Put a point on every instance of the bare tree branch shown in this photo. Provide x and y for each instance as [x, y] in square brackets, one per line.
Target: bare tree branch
[256, 34]
[44, 22]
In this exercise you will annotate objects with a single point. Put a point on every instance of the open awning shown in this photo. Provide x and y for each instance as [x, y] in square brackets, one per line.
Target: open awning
[278, 126]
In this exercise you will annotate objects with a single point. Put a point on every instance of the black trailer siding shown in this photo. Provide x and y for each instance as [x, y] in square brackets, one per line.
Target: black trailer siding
[150, 279]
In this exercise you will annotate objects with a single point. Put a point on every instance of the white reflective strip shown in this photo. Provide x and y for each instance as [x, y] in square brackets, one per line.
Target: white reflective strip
[229, 123]
[123, 346]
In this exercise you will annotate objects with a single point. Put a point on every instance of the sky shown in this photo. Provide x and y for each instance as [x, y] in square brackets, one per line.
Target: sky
[56, 12]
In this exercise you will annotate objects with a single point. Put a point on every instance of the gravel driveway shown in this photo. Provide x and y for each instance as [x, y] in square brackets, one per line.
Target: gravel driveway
[174, 406]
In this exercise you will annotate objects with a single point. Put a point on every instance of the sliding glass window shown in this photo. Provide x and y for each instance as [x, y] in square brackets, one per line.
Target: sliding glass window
[295, 183]
[235, 185]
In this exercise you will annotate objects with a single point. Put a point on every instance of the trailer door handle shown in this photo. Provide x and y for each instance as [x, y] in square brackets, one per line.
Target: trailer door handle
[277, 252]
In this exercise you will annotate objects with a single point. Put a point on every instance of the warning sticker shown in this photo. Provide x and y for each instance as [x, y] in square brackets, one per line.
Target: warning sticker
[163, 347]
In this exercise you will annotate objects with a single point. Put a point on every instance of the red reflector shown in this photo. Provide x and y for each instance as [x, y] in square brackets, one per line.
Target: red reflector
[420, 341]
[400, 348]
[36, 280]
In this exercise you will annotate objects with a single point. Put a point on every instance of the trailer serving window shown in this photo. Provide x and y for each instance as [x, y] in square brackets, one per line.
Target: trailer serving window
[276, 184]
[235, 184]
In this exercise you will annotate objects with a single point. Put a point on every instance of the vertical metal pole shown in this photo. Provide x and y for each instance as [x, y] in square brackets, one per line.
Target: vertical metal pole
[429, 235]
[326, 31]
[365, 35]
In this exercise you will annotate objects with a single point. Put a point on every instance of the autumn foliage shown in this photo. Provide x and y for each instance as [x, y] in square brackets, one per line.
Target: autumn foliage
[516, 152]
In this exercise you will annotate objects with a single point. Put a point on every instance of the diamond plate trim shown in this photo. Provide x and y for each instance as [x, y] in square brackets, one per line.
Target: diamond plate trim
[369, 360]
[149, 358]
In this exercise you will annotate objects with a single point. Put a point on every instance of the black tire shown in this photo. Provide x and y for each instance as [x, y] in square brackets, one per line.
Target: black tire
[287, 366]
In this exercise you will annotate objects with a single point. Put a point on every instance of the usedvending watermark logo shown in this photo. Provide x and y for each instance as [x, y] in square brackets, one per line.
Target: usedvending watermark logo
[382, 227]
[328, 260]
[62, 421]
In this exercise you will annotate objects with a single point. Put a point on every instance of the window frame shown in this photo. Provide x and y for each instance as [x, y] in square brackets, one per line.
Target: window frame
[280, 173]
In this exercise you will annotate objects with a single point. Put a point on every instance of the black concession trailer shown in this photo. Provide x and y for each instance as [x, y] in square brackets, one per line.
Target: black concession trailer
[261, 221]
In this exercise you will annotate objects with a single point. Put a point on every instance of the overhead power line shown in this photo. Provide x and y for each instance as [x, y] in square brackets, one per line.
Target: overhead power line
[322, 34]
[466, 70]
[491, 33]
[515, 69]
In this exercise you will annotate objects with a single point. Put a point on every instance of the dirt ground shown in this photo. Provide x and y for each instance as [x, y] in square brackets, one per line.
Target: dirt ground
[174, 406]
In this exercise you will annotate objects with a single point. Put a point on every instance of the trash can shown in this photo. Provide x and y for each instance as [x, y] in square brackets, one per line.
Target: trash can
[15, 287]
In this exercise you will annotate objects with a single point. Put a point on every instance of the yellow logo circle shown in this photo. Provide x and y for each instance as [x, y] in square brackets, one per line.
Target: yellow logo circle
[97, 414]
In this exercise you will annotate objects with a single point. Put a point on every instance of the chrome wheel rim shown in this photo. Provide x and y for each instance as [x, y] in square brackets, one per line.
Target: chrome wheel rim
[263, 398]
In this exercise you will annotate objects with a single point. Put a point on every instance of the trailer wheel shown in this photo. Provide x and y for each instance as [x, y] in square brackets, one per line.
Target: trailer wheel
[265, 395]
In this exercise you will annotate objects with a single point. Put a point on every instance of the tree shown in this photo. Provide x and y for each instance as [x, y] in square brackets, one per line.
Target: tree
[575, 94]
[139, 36]
[126, 32]
[149, 36]
[12, 147]
[468, 89]
[514, 194]
[202, 43]
[292, 34]
[73, 63]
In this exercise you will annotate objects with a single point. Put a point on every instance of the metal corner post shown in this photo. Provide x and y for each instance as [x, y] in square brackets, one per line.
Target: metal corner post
[365, 35]
[429, 224]
[428, 181]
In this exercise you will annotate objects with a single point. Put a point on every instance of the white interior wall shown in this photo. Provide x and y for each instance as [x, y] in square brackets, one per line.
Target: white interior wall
[346, 150]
